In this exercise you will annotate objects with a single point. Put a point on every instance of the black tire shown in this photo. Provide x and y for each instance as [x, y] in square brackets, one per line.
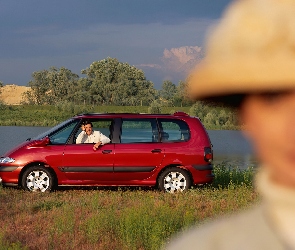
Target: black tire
[37, 179]
[174, 179]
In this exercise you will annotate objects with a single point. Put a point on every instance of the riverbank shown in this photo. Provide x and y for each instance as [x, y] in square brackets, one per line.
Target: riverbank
[116, 218]
[48, 116]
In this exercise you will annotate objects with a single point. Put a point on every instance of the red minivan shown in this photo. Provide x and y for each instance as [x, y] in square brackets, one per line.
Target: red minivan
[171, 152]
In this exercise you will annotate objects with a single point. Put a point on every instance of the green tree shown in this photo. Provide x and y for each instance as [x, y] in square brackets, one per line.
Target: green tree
[115, 83]
[52, 86]
[199, 109]
[62, 84]
[181, 97]
[155, 107]
[168, 91]
[82, 94]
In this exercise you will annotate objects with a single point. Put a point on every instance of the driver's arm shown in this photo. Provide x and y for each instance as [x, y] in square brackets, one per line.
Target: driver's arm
[80, 137]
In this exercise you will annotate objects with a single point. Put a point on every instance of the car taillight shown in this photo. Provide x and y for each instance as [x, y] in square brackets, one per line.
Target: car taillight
[208, 154]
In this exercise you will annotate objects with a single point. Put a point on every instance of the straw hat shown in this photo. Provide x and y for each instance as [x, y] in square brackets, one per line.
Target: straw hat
[251, 50]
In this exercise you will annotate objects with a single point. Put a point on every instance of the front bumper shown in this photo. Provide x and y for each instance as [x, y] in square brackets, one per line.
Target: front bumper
[9, 175]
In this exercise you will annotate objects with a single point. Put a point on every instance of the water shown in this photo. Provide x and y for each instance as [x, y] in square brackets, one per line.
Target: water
[229, 146]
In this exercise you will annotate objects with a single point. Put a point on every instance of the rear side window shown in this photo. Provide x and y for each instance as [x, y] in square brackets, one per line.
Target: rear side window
[139, 130]
[173, 130]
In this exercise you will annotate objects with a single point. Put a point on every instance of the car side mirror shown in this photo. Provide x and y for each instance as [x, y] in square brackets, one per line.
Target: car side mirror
[46, 140]
[39, 143]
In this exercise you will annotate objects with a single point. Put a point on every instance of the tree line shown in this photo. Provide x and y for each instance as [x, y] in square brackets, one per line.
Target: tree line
[105, 82]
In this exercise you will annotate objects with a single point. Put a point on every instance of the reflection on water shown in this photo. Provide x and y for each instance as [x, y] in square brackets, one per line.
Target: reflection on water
[229, 146]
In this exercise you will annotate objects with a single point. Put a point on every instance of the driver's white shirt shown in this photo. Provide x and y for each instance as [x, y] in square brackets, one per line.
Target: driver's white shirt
[95, 137]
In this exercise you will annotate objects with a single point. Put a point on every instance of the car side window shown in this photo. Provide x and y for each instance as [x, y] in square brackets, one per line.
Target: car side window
[139, 130]
[62, 135]
[102, 125]
[173, 130]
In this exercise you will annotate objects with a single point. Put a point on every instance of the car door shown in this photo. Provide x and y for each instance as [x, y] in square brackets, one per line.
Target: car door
[174, 134]
[139, 154]
[84, 165]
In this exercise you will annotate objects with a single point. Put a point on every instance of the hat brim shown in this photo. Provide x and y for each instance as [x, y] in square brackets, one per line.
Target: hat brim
[215, 79]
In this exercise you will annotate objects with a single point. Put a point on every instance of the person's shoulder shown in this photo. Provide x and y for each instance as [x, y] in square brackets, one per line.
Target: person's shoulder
[96, 132]
[246, 228]
[82, 133]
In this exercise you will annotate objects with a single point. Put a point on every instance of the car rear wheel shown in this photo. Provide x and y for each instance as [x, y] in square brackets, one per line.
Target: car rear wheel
[37, 179]
[174, 179]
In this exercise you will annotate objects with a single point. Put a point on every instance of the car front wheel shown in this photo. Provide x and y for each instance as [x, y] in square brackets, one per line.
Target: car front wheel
[37, 179]
[174, 179]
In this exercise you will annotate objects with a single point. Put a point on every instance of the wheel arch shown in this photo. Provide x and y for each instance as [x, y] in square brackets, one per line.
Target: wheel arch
[171, 166]
[40, 164]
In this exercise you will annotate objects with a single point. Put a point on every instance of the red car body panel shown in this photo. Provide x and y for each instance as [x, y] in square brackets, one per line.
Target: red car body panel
[140, 166]
[80, 163]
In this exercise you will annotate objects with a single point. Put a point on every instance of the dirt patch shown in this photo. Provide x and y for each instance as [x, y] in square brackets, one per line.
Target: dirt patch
[13, 94]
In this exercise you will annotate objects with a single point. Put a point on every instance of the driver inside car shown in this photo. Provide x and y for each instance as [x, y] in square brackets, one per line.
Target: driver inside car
[88, 135]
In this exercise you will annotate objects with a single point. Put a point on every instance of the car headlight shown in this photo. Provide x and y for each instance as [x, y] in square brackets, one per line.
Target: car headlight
[6, 160]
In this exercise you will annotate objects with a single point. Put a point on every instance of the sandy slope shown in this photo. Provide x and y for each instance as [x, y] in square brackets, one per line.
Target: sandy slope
[12, 94]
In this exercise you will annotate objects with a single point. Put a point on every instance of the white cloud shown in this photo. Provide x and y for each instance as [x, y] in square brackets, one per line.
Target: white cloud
[182, 59]
[175, 63]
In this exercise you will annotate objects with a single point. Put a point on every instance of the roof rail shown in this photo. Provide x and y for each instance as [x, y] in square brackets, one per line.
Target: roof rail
[180, 113]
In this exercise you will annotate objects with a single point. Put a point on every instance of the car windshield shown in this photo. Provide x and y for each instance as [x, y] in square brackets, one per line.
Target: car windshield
[53, 129]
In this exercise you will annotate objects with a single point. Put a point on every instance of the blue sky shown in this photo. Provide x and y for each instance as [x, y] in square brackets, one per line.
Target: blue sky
[162, 37]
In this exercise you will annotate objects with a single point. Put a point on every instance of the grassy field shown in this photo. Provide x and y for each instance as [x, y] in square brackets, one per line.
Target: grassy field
[116, 218]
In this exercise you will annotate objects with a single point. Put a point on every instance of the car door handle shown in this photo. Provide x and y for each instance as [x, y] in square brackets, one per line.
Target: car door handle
[107, 151]
[157, 150]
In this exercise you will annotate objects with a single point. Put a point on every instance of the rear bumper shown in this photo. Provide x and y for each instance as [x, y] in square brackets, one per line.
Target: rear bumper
[203, 167]
[202, 174]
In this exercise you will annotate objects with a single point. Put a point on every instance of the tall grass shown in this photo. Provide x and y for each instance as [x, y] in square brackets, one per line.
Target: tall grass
[228, 176]
[116, 218]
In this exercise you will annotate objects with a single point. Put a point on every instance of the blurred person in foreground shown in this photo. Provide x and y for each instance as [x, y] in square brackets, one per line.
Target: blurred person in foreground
[250, 65]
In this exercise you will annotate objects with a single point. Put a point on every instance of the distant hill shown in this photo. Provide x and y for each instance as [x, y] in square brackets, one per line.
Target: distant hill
[12, 94]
